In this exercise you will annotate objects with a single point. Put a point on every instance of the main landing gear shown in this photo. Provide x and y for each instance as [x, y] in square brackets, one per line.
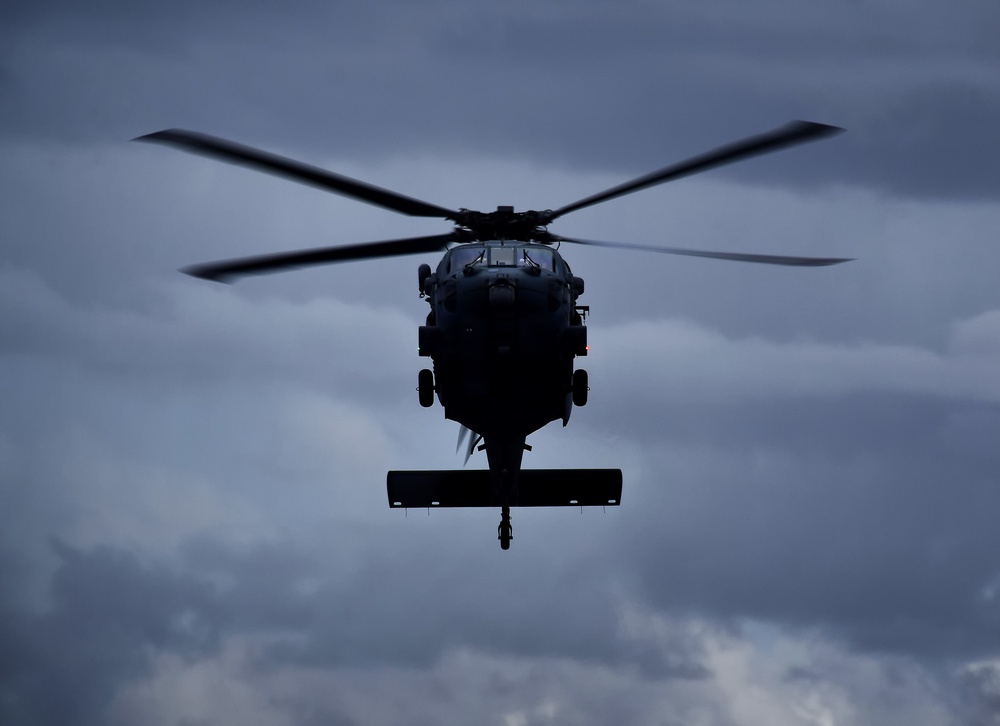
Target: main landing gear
[580, 387]
[425, 387]
[504, 532]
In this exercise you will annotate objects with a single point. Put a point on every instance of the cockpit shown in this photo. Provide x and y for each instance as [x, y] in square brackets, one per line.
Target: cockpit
[528, 256]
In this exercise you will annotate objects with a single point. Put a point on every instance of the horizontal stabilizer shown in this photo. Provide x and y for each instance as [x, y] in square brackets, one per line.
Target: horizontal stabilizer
[537, 488]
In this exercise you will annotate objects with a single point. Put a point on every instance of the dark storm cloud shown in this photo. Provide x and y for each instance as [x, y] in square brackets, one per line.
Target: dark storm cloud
[891, 559]
[109, 612]
[853, 515]
[578, 85]
[386, 609]
[981, 691]
[857, 508]
[939, 139]
[112, 613]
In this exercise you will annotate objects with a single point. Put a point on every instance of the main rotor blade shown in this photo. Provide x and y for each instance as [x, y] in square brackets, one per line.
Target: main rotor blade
[227, 270]
[229, 151]
[796, 132]
[737, 256]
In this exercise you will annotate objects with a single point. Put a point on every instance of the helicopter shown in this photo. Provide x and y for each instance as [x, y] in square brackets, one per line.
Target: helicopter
[505, 324]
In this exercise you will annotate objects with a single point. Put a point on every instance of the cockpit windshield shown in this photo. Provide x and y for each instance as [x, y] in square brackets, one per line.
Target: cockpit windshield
[541, 257]
[462, 256]
[533, 256]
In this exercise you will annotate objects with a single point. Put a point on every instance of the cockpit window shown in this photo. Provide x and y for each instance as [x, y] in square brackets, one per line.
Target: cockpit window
[535, 256]
[503, 256]
[462, 256]
[538, 257]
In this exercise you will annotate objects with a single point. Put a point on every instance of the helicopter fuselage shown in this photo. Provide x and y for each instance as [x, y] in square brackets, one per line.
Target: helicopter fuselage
[503, 331]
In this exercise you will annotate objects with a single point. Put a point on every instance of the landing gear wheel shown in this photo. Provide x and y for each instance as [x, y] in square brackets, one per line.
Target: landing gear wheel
[580, 387]
[505, 532]
[425, 387]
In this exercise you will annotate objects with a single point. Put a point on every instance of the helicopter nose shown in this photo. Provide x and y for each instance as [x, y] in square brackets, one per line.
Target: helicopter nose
[501, 294]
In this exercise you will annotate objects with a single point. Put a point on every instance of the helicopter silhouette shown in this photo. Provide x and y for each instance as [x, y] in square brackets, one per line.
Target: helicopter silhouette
[504, 326]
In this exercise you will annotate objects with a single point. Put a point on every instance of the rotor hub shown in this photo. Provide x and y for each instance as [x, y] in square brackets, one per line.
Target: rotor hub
[504, 224]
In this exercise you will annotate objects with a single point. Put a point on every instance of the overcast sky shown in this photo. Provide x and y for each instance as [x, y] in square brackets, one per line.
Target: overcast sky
[193, 519]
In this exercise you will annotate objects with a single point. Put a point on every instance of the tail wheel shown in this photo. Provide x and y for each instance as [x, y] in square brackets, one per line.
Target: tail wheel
[425, 387]
[580, 387]
[504, 532]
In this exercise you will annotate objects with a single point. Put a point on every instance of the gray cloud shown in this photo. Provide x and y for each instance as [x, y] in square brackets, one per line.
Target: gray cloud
[561, 84]
[109, 611]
